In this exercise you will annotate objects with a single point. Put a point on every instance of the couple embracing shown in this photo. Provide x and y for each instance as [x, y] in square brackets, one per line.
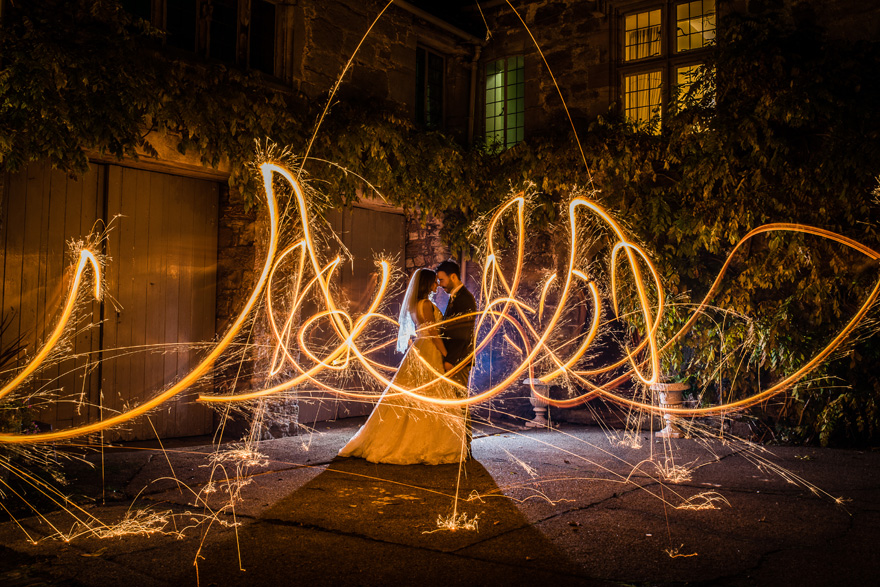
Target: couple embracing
[403, 430]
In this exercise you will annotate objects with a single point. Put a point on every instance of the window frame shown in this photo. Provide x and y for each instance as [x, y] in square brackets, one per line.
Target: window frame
[202, 34]
[421, 115]
[498, 146]
[667, 62]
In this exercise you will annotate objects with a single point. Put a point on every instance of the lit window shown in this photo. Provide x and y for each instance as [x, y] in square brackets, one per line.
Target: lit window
[641, 96]
[429, 88]
[642, 37]
[695, 22]
[505, 102]
[685, 77]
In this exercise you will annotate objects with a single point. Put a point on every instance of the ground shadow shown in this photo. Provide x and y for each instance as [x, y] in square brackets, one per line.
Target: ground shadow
[365, 524]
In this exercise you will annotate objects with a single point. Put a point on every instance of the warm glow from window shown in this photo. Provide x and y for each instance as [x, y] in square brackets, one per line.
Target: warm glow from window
[642, 36]
[695, 24]
[685, 77]
[641, 96]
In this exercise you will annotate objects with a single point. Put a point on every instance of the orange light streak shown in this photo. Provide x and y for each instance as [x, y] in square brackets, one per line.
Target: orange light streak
[86, 258]
[311, 276]
[267, 170]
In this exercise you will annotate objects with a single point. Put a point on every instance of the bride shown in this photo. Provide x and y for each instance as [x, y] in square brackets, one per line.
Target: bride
[403, 430]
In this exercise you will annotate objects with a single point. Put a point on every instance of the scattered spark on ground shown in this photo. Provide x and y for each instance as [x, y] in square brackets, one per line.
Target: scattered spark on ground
[703, 501]
[530, 471]
[453, 523]
[673, 473]
[676, 552]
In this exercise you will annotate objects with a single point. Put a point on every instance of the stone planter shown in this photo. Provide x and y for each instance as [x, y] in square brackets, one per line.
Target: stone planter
[669, 395]
[538, 404]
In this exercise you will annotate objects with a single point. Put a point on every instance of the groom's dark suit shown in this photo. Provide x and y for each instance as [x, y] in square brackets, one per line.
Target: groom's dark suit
[457, 331]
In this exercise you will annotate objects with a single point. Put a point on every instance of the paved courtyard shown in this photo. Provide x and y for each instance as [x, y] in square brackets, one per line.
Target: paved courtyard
[569, 506]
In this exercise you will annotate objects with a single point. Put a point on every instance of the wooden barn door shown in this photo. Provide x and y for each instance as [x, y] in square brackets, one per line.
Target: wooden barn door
[366, 233]
[42, 211]
[162, 274]
[160, 282]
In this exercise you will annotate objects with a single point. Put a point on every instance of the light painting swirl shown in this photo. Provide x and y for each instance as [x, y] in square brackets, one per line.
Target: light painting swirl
[503, 309]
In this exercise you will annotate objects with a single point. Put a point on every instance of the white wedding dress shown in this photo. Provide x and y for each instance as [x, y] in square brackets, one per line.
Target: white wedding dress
[405, 431]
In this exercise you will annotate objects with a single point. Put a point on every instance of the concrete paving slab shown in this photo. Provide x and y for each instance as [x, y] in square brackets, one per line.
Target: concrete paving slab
[569, 506]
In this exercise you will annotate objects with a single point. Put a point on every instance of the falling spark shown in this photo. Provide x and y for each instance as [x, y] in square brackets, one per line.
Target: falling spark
[530, 471]
[676, 552]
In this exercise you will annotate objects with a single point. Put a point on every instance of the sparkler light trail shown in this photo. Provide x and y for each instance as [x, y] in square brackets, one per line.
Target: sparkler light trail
[299, 272]
[189, 379]
[503, 305]
[86, 258]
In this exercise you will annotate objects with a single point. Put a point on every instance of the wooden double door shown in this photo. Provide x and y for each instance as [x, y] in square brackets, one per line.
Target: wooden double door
[158, 312]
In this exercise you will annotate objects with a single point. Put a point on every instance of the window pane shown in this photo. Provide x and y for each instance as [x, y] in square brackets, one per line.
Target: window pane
[641, 98]
[685, 78]
[429, 94]
[642, 35]
[505, 91]
[421, 77]
[519, 91]
[224, 30]
[695, 24]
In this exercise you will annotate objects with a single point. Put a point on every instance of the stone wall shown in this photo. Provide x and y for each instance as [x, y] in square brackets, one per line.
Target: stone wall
[424, 248]
[574, 37]
[236, 274]
[385, 65]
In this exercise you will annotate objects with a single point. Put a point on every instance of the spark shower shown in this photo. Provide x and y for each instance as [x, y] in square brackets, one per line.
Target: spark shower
[502, 304]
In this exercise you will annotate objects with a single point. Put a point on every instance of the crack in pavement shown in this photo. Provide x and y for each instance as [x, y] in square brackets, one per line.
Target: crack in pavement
[455, 553]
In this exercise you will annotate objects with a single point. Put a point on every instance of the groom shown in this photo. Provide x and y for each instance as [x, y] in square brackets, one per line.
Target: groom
[457, 329]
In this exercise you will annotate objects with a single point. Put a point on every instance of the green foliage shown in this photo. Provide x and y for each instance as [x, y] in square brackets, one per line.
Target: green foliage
[781, 127]
[84, 74]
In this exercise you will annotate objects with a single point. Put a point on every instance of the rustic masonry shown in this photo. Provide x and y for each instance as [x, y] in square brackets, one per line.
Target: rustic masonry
[424, 248]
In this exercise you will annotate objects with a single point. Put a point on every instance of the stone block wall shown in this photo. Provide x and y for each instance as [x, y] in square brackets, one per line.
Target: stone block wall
[385, 65]
[574, 36]
[424, 248]
[236, 276]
